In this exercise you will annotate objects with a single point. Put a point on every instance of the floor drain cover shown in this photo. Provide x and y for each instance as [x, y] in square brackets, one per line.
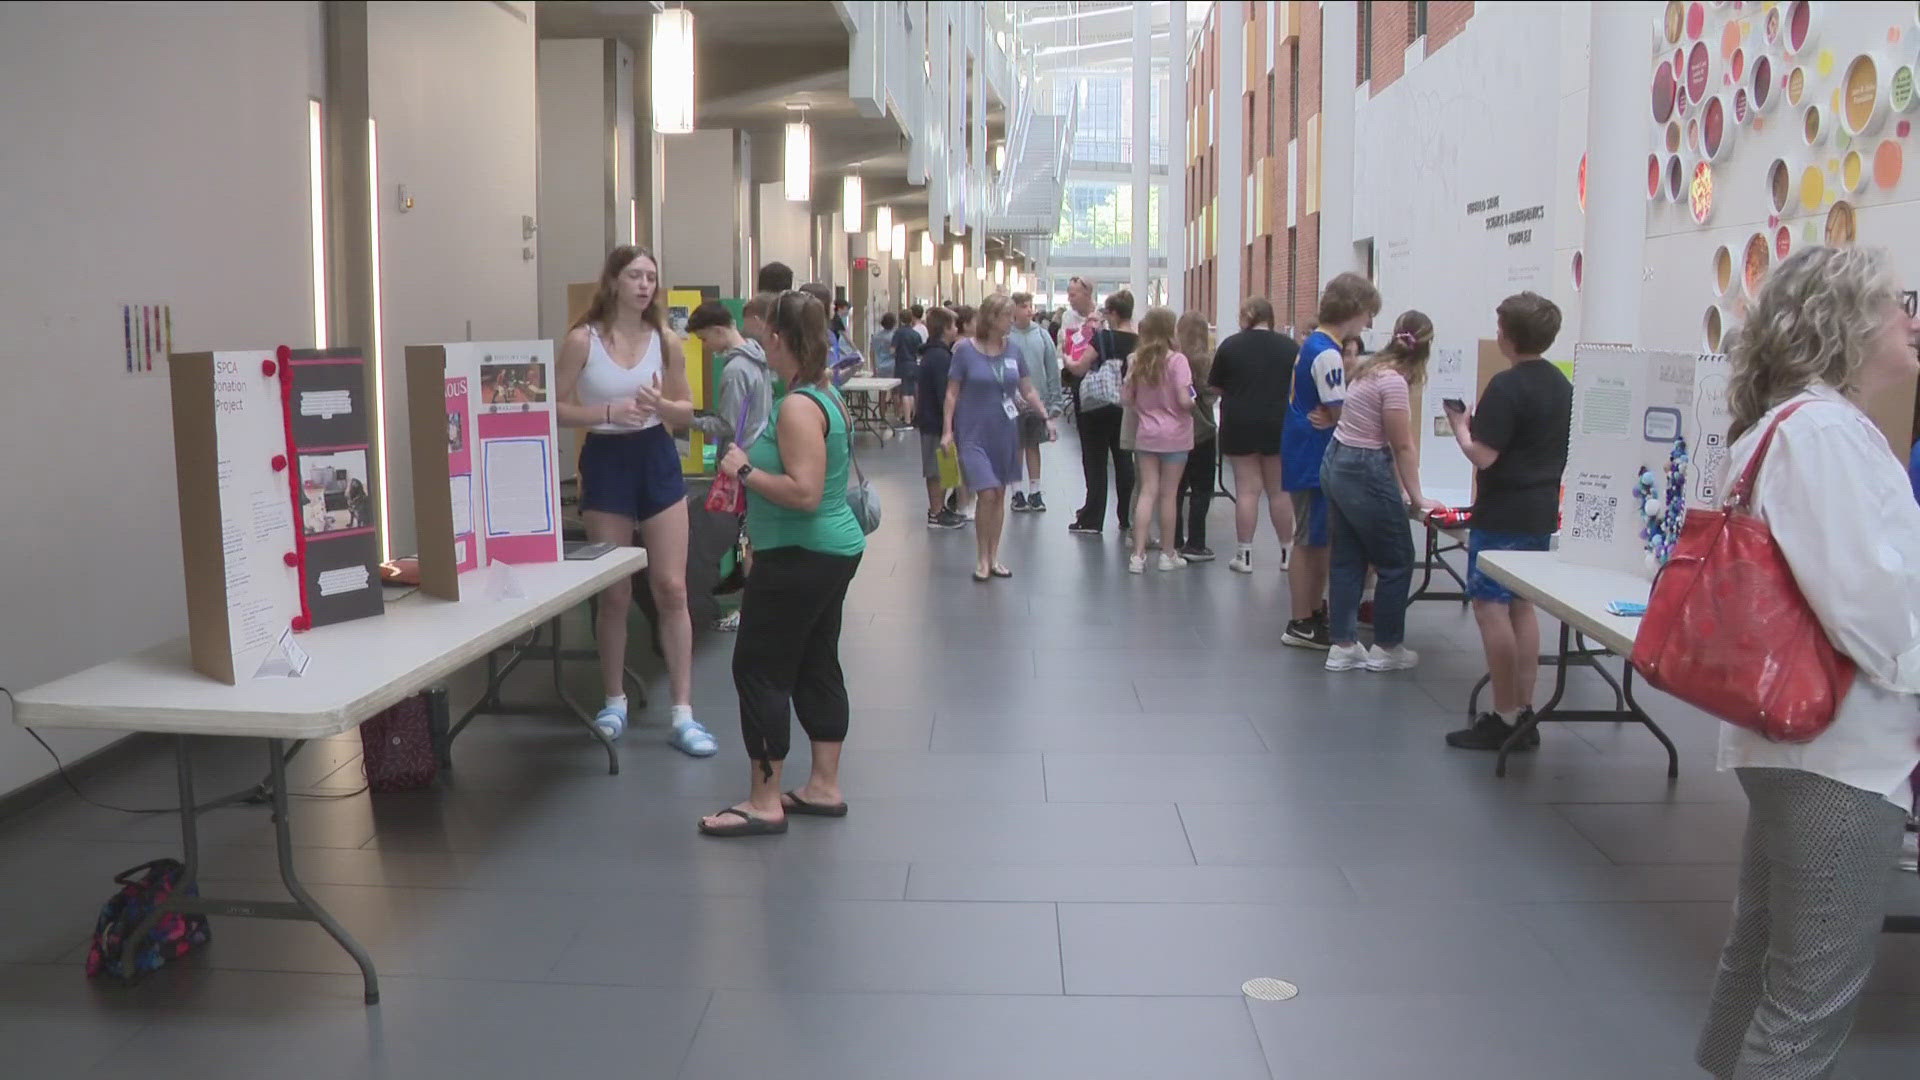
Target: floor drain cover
[1269, 989]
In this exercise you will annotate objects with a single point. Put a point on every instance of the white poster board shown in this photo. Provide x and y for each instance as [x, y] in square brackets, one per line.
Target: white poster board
[1629, 408]
[1445, 472]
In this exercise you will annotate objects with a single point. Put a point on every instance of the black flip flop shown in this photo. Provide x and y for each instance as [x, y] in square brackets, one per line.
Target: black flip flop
[1000, 571]
[749, 825]
[982, 578]
[796, 805]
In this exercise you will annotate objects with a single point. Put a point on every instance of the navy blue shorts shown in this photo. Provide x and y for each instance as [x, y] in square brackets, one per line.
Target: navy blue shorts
[1479, 585]
[1309, 517]
[634, 474]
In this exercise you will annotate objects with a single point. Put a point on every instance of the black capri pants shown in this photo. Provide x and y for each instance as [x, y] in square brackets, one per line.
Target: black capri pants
[786, 659]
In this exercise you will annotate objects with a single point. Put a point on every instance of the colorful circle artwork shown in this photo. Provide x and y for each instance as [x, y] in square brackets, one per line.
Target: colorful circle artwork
[1700, 193]
[1796, 86]
[1853, 171]
[1840, 224]
[1722, 270]
[1762, 82]
[1696, 19]
[1675, 21]
[1676, 179]
[1730, 40]
[1699, 68]
[1654, 170]
[1710, 328]
[1579, 266]
[1813, 189]
[1887, 164]
[1663, 92]
[1737, 64]
[1770, 24]
[1716, 134]
[1673, 137]
[1900, 89]
[1753, 264]
[1860, 109]
[1799, 25]
[1782, 242]
[1581, 183]
[1742, 111]
[1813, 126]
[1779, 185]
[1693, 134]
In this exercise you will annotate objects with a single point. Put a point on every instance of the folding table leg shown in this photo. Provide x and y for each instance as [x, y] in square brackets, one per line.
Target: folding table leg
[189, 852]
[283, 842]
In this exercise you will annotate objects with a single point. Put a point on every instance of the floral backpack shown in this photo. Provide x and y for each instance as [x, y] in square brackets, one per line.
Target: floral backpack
[173, 935]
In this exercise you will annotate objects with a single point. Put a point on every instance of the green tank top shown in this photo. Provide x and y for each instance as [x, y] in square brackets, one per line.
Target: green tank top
[831, 529]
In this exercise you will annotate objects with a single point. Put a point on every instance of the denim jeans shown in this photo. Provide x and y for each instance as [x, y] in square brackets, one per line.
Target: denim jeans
[1367, 525]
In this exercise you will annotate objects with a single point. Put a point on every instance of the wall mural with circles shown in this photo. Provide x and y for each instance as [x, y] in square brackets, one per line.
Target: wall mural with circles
[1772, 125]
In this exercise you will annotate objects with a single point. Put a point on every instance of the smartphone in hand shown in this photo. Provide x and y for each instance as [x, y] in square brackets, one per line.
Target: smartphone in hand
[1453, 405]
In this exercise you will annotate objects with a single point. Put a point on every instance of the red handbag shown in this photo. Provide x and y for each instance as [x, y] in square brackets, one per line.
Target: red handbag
[1727, 629]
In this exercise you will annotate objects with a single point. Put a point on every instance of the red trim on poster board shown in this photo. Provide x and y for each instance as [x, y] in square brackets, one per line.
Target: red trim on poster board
[305, 618]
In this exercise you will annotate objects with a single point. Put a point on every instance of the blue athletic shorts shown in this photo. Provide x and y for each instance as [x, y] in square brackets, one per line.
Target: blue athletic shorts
[634, 474]
[1309, 517]
[1479, 585]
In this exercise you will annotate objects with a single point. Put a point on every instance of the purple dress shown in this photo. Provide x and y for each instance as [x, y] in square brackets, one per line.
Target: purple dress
[985, 429]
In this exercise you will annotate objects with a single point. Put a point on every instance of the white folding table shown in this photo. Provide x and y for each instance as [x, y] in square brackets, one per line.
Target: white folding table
[1578, 596]
[862, 392]
[356, 670]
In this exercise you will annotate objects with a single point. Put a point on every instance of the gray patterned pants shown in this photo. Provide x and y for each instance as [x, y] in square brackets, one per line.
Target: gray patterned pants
[1813, 892]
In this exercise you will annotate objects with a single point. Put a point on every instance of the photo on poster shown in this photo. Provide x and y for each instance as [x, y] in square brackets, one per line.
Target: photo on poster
[677, 315]
[456, 432]
[336, 494]
[512, 385]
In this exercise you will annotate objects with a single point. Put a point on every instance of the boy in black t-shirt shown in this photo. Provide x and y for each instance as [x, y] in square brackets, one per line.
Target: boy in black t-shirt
[1517, 439]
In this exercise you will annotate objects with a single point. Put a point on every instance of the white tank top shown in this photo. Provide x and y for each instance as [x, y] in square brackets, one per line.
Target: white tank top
[604, 382]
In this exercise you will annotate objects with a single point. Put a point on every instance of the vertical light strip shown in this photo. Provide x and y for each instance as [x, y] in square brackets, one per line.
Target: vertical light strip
[900, 240]
[633, 220]
[926, 248]
[673, 71]
[317, 220]
[851, 203]
[379, 373]
[799, 161]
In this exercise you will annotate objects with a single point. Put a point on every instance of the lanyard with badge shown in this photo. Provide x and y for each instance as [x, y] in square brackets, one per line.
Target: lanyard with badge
[1009, 367]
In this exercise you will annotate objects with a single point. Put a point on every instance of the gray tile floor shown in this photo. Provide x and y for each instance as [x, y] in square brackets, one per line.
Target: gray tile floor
[1086, 808]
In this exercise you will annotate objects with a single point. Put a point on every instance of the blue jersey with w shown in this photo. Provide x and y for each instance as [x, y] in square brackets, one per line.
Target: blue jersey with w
[1319, 378]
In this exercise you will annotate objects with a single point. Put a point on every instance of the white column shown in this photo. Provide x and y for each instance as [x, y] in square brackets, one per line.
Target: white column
[1142, 148]
[939, 178]
[1614, 244]
[959, 210]
[1173, 201]
[1339, 42]
[977, 168]
[1231, 109]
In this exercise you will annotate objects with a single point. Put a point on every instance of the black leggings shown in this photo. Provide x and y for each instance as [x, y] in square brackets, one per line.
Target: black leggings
[786, 659]
[1196, 491]
[1100, 440]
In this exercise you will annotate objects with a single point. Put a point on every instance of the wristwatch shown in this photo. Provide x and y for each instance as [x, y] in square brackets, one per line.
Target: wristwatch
[742, 472]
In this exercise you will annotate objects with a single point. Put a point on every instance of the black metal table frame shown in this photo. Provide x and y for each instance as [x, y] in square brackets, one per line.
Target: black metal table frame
[556, 653]
[1575, 651]
[1432, 560]
[864, 408]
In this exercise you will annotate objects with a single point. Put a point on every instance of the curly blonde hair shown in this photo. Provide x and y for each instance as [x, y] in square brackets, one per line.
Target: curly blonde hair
[1813, 322]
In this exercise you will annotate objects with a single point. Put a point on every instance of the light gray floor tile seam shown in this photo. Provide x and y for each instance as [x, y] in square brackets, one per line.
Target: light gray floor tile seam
[1060, 942]
[1191, 853]
[1591, 842]
[693, 1040]
[1266, 1056]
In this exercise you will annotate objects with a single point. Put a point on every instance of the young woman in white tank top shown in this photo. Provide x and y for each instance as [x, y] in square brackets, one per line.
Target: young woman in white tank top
[623, 377]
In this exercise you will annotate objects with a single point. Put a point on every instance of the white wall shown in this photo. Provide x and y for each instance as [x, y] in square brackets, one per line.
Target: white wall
[697, 239]
[784, 231]
[156, 153]
[452, 89]
[573, 176]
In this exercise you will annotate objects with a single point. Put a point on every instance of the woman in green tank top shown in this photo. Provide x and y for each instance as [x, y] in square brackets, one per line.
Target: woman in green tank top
[806, 546]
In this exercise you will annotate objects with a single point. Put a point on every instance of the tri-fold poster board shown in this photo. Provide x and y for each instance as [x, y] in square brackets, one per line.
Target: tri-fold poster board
[494, 496]
[278, 502]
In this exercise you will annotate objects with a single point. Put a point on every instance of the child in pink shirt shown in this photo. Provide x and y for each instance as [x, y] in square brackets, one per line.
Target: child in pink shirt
[1159, 392]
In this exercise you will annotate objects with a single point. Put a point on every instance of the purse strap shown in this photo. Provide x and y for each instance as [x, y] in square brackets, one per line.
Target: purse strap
[1742, 493]
[853, 456]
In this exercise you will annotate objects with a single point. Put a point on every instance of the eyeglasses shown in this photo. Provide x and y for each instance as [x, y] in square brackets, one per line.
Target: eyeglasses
[1910, 303]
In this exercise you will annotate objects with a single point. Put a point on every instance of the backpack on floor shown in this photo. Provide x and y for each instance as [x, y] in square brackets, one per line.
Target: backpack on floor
[174, 935]
[400, 748]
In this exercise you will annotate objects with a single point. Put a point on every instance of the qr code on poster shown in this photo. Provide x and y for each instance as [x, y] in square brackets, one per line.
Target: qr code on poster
[1593, 516]
[1712, 468]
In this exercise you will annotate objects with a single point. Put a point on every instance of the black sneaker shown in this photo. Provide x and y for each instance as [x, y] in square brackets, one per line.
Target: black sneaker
[933, 518]
[1019, 502]
[1488, 732]
[1081, 528]
[1307, 634]
[1036, 504]
[953, 501]
[1531, 740]
[1195, 553]
[946, 519]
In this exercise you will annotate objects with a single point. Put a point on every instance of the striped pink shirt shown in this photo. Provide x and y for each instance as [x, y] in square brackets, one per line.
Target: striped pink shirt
[1362, 415]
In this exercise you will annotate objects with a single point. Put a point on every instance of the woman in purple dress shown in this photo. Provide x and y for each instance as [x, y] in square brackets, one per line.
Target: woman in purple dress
[984, 389]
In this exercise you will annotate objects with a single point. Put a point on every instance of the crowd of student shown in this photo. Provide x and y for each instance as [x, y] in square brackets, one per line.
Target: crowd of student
[1326, 436]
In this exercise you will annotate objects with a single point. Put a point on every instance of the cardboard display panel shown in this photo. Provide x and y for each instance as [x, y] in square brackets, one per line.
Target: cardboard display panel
[336, 491]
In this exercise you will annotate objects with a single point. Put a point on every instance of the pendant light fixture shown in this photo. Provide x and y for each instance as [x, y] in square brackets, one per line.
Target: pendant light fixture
[926, 248]
[899, 240]
[673, 71]
[851, 208]
[799, 156]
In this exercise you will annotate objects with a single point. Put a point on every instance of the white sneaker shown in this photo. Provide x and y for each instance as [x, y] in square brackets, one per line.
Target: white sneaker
[1398, 658]
[1347, 657]
[1286, 556]
[1136, 564]
[1171, 562]
[1242, 563]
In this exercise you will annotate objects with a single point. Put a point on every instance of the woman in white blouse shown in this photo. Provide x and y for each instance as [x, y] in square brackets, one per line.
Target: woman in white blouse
[1824, 817]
